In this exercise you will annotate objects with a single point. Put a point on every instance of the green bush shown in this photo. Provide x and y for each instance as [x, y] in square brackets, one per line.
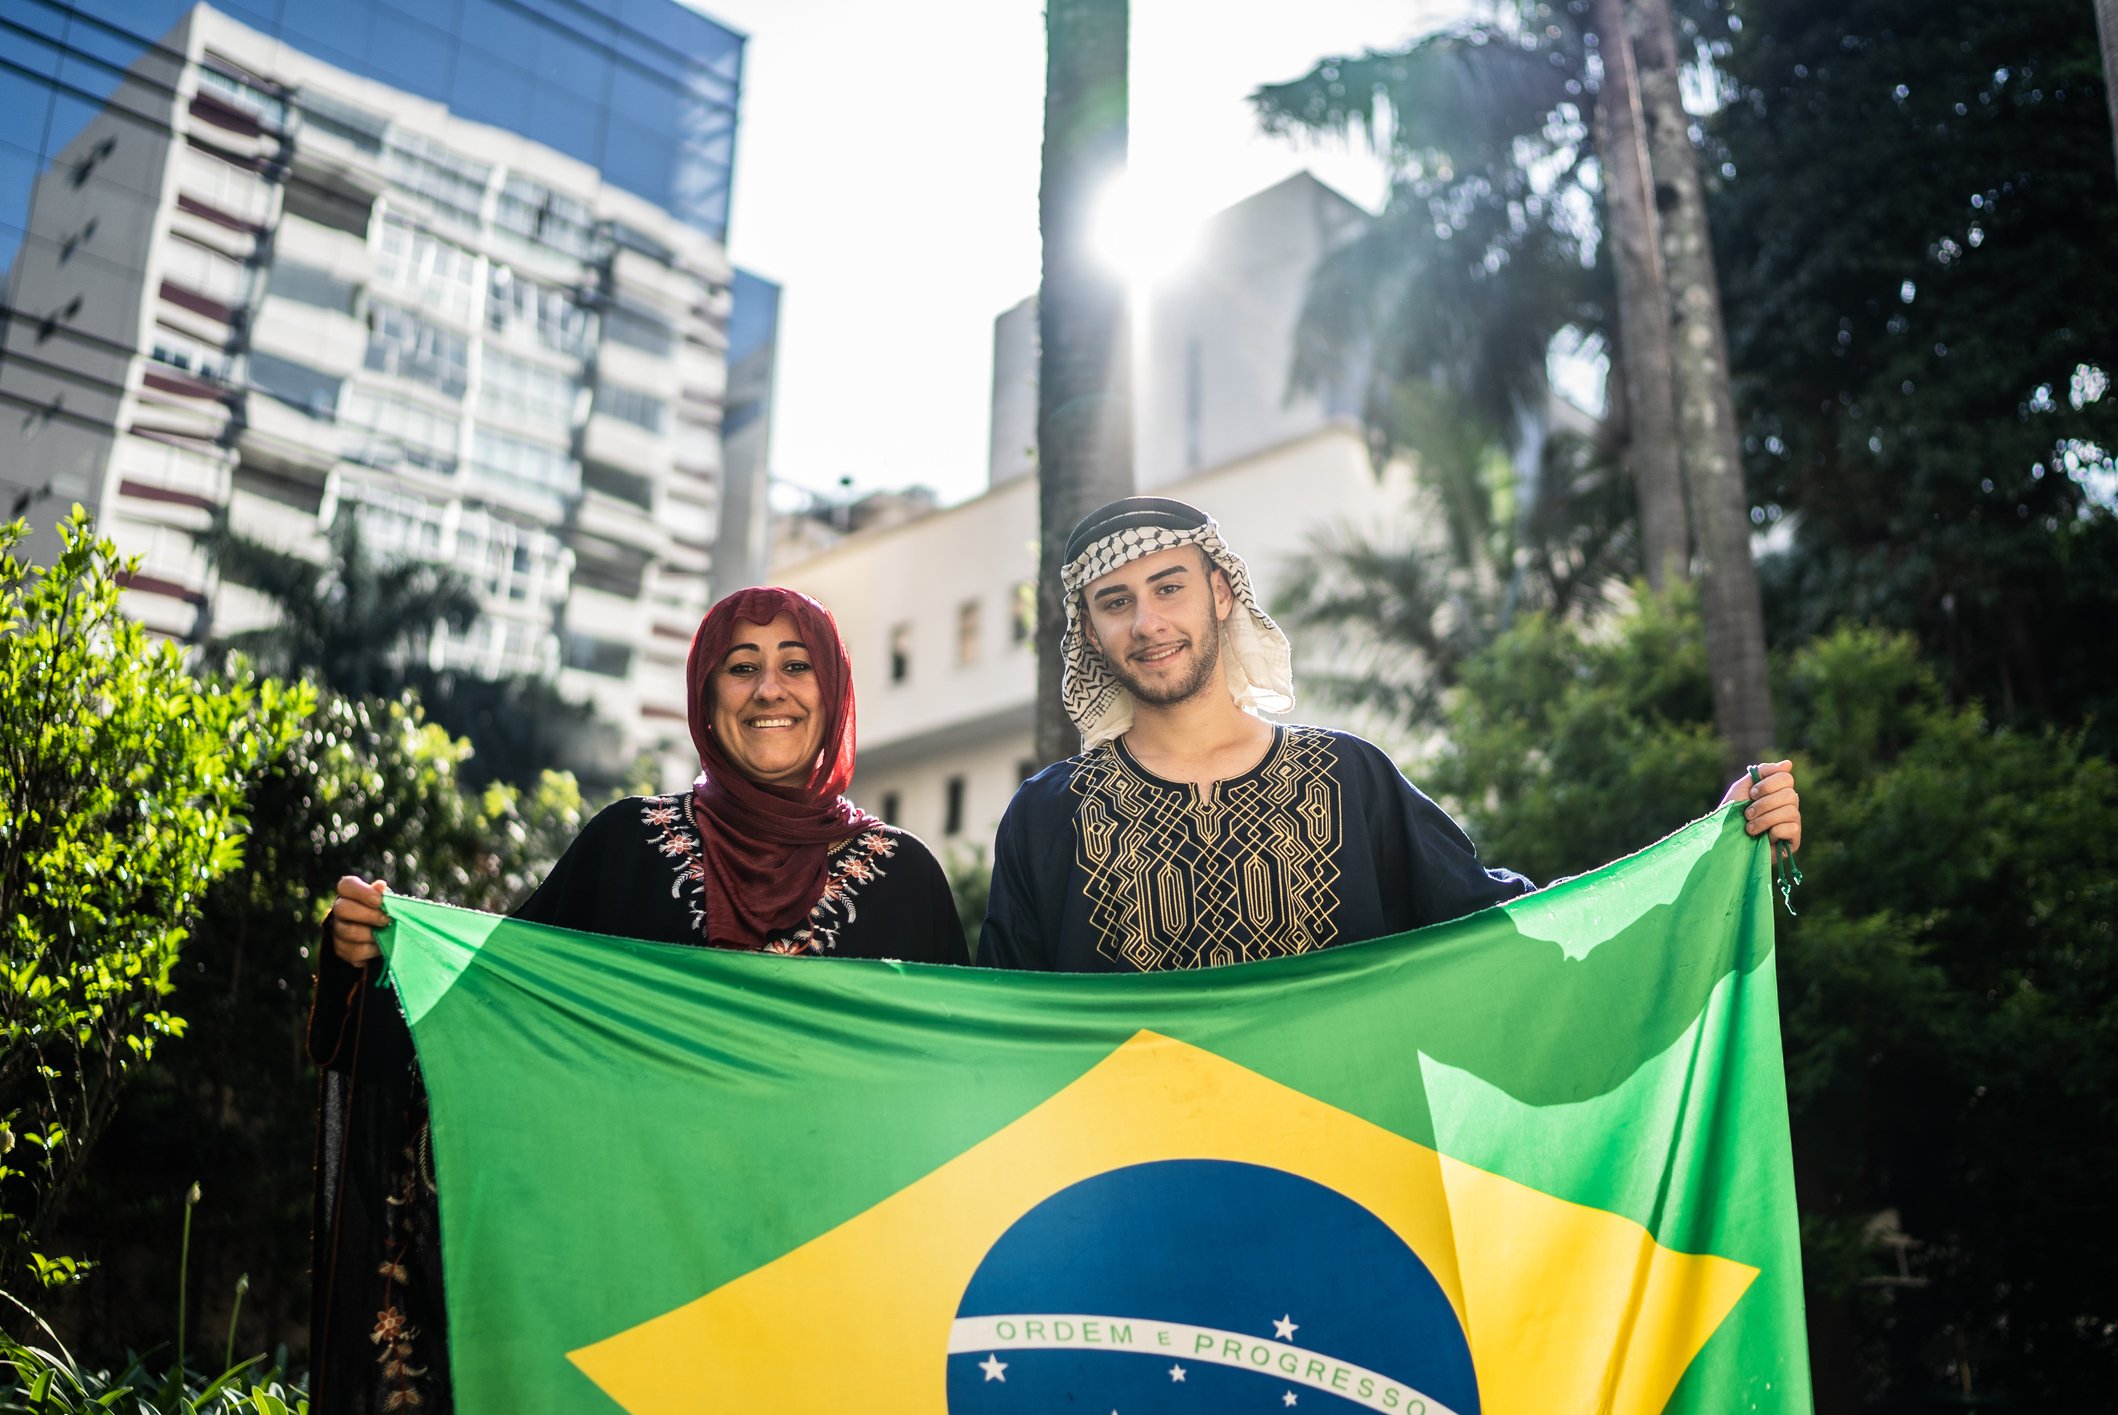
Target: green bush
[366, 787]
[48, 1381]
[1949, 992]
[122, 795]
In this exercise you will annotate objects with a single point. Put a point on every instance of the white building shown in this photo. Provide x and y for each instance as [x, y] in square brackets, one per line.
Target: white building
[261, 283]
[936, 610]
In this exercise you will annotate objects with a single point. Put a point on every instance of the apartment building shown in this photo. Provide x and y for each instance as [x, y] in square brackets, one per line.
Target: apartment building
[272, 278]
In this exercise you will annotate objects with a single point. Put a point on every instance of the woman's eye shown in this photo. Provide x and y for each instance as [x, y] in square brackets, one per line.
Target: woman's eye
[798, 666]
[741, 670]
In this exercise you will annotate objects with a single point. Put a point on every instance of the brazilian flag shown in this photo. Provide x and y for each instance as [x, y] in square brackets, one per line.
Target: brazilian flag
[1534, 1162]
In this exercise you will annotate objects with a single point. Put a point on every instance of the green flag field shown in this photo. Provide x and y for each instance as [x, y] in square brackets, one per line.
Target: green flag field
[1531, 1162]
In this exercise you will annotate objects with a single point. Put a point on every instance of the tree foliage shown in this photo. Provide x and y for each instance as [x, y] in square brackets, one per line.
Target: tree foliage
[1949, 990]
[1486, 245]
[1397, 619]
[1909, 228]
[355, 624]
[369, 788]
[123, 785]
[350, 622]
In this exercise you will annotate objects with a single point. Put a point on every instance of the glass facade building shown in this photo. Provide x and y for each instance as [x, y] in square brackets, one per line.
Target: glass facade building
[644, 91]
[455, 268]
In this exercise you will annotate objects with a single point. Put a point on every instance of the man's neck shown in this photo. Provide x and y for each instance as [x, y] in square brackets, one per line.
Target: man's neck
[1204, 739]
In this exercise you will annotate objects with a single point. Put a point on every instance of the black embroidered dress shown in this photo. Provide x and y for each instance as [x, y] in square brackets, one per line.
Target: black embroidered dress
[1101, 866]
[635, 871]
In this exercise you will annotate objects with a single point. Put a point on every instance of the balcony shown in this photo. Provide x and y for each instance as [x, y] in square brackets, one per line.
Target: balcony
[304, 242]
[288, 440]
[613, 442]
[601, 614]
[323, 339]
[632, 532]
[635, 368]
[651, 284]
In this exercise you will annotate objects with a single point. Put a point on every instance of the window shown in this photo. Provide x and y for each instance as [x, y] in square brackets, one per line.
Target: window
[892, 807]
[401, 343]
[520, 464]
[642, 410]
[334, 208]
[312, 390]
[208, 273]
[1022, 623]
[523, 308]
[599, 656]
[527, 395]
[639, 330]
[453, 186]
[441, 275]
[394, 526]
[342, 121]
[499, 648]
[399, 432]
[193, 356]
[967, 633]
[307, 285]
[1194, 399]
[224, 186]
[509, 562]
[900, 653]
[534, 212]
[268, 109]
[952, 811]
[626, 486]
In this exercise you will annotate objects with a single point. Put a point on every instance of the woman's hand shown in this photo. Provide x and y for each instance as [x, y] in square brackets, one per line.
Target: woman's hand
[355, 916]
[1774, 807]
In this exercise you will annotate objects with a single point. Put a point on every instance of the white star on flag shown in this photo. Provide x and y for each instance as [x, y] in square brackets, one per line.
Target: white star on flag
[1289, 1398]
[1176, 1373]
[994, 1368]
[1285, 1328]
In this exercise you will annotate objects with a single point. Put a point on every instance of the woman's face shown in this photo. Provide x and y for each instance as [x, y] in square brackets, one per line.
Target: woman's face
[768, 711]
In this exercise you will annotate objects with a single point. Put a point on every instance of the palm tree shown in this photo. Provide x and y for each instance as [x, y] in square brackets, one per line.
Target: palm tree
[1084, 379]
[1729, 602]
[1484, 249]
[1397, 621]
[1633, 231]
[2107, 33]
[350, 623]
[1483, 128]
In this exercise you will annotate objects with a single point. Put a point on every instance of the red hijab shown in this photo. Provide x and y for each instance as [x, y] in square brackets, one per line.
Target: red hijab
[766, 847]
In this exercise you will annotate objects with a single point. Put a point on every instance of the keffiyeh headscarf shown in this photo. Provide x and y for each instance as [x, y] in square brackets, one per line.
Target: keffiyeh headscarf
[1254, 653]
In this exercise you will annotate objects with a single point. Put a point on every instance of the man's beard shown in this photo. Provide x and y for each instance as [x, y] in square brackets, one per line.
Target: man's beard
[1204, 662]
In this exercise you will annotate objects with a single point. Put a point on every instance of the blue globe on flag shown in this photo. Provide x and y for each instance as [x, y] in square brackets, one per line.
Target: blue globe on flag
[1204, 1286]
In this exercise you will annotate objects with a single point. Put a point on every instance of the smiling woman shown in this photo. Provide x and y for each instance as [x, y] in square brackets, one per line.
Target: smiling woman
[763, 853]
[767, 713]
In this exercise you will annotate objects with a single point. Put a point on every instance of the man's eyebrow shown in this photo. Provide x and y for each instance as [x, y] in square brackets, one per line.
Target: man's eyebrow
[1109, 590]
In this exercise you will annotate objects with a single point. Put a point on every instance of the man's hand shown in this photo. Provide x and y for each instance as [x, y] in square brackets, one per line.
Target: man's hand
[1774, 807]
[355, 916]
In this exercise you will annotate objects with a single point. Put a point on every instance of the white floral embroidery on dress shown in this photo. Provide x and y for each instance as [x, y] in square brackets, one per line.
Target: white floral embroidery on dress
[854, 863]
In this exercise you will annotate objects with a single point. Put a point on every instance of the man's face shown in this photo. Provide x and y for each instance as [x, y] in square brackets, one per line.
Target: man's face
[1157, 623]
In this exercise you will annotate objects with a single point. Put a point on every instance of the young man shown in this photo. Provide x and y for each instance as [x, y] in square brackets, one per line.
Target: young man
[1191, 832]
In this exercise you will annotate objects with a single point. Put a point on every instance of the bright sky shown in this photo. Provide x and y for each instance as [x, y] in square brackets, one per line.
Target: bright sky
[886, 176]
